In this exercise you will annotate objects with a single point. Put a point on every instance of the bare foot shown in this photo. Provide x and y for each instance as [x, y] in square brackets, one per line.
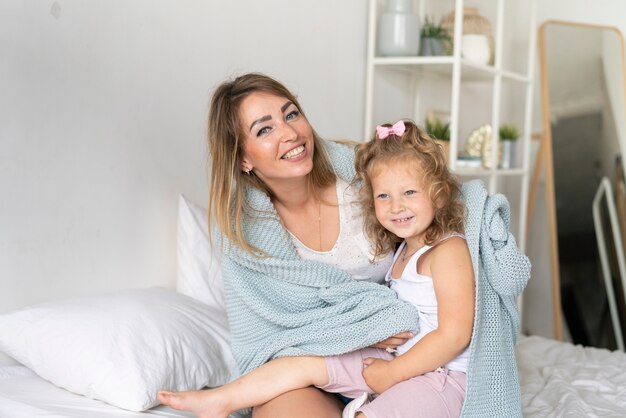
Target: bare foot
[203, 403]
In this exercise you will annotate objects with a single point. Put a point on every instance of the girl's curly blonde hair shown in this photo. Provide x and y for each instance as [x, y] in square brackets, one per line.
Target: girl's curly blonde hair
[417, 150]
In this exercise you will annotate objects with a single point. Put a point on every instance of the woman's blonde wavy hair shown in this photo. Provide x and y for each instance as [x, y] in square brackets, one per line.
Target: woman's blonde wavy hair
[419, 151]
[226, 135]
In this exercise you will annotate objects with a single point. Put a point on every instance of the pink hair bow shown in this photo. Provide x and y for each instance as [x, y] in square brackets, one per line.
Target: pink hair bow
[397, 129]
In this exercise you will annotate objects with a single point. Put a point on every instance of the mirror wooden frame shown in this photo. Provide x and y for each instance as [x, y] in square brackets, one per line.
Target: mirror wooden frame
[544, 163]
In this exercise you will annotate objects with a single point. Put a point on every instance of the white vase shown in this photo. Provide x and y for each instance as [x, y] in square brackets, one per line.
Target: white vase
[476, 48]
[398, 29]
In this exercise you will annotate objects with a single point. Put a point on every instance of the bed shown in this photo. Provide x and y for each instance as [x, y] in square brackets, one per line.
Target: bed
[106, 355]
[557, 379]
[560, 379]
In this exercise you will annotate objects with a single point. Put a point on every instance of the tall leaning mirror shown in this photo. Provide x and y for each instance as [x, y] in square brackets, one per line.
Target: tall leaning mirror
[583, 92]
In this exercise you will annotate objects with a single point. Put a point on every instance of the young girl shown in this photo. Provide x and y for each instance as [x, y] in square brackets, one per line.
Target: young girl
[410, 197]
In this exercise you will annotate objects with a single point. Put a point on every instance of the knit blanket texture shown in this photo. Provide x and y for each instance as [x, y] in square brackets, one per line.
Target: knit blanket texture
[501, 272]
[282, 305]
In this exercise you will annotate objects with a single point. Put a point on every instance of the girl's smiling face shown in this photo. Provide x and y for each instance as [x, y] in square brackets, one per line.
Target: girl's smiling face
[278, 139]
[401, 201]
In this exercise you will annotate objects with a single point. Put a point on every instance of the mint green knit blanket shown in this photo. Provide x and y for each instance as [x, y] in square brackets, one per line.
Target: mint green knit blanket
[501, 273]
[285, 306]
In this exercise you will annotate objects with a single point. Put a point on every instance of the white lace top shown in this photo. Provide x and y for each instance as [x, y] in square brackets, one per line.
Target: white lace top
[352, 251]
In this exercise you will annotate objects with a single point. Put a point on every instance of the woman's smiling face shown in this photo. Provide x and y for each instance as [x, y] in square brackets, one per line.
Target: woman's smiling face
[278, 140]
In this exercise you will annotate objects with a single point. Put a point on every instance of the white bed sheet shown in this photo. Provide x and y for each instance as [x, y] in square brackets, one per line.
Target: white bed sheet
[557, 380]
[563, 380]
[23, 394]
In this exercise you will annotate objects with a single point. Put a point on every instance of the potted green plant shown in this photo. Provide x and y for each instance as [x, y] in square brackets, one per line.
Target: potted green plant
[437, 129]
[508, 132]
[433, 38]
[440, 131]
[508, 137]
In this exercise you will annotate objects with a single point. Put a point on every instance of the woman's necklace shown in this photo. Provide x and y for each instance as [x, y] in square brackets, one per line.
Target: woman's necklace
[319, 221]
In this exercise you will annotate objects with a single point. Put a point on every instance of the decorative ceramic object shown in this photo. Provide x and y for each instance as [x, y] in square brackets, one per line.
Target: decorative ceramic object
[479, 145]
[487, 153]
[474, 143]
[398, 29]
[473, 24]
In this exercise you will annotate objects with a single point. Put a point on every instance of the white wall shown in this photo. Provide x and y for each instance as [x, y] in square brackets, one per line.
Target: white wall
[102, 123]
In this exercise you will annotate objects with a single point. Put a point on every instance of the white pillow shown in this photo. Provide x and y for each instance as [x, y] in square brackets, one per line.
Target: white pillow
[199, 271]
[121, 348]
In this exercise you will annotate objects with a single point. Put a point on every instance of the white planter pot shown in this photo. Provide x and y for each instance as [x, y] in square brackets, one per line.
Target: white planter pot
[476, 48]
[508, 154]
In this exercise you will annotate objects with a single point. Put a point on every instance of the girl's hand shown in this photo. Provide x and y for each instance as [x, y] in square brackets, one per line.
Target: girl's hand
[395, 341]
[377, 374]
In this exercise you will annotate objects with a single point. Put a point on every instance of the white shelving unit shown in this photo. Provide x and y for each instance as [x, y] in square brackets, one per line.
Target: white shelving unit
[460, 75]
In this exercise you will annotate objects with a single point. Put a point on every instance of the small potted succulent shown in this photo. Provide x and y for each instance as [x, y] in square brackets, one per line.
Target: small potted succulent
[434, 39]
[508, 137]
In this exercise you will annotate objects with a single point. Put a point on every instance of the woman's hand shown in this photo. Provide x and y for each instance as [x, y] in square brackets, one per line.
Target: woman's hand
[377, 374]
[392, 342]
